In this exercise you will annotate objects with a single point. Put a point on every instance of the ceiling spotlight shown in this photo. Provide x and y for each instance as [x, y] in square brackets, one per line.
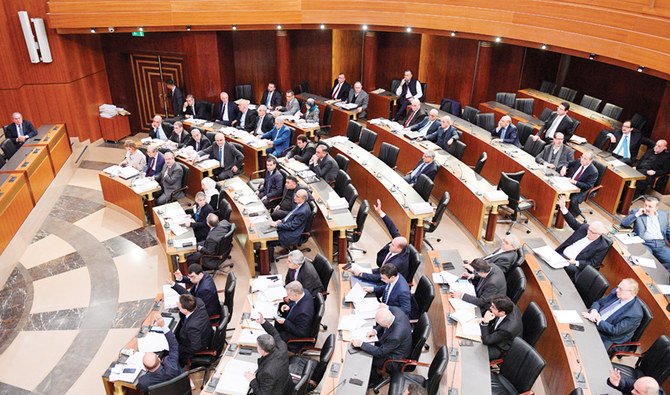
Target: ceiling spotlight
[92, 30]
[592, 56]
[234, 27]
[543, 46]
[278, 27]
[640, 69]
[188, 28]
[323, 26]
[453, 34]
[408, 29]
[498, 39]
[365, 27]
[140, 28]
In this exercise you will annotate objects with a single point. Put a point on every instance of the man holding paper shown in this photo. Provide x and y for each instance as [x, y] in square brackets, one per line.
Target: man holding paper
[489, 282]
[653, 226]
[195, 331]
[272, 373]
[297, 314]
[160, 371]
[202, 286]
[500, 325]
[395, 291]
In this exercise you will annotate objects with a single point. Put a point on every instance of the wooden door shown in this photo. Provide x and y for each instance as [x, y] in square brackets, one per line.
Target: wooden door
[149, 75]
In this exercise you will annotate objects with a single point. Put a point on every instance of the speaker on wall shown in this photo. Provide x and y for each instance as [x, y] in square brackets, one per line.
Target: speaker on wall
[42, 43]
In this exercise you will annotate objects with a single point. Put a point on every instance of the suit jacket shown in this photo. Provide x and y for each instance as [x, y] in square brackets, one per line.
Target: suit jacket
[593, 254]
[639, 224]
[636, 139]
[586, 181]
[211, 244]
[182, 139]
[307, 276]
[504, 260]
[293, 225]
[429, 170]
[13, 132]
[286, 202]
[399, 296]
[160, 162]
[272, 373]
[275, 100]
[511, 135]
[361, 100]
[200, 227]
[204, 290]
[250, 120]
[326, 168]
[343, 94]
[395, 342]
[298, 319]
[177, 97]
[169, 368]
[442, 137]
[267, 123]
[627, 385]
[170, 179]
[564, 127]
[418, 117]
[167, 129]
[273, 185]
[660, 163]
[432, 129]
[204, 143]
[195, 333]
[218, 113]
[281, 139]
[564, 156]
[202, 110]
[401, 260]
[231, 156]
[493, 284]
[302, 154]
[620, 326]
[291, 107]
[501, 337]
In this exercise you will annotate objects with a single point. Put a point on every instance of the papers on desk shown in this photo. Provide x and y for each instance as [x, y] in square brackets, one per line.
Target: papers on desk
[362, 334]
[412, 135]
[562, 183]
[176, 228]
[260, 220]
[152, 342]
[170, 297]
[267, 309]
[186, 152]
[463, 286]
[629, 238]
[444, 277]
[124, 372]
[463, 315]
[272, 294]
[233, 381]
[578, 139]
[337, 203]
[264, 282]
[358, 268]
[251, 324]
[198, 121]
[355, 294]
[664, 289]
[495, 195]
[256, 208]
[567, 316]
[188, 242]
[296, 166]
[338, 139]
[469, 330]
[209, 164]
[460, 304]
[246, 199]
[616, 162]
[346, 106]
[366, 308]
[145, 184]
[350, 322]
[146, 140]
[248, 337]
[645, 262]
[551, 257]
[421, 208]
[123, 172]
[378, 91]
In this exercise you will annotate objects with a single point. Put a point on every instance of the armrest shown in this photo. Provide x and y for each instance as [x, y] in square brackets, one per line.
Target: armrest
[258, 171]
[305, 349]
[593, 190]
[495, 362]
[206, 352]
[414, 363]
[302, 340]
[637, 344]
[626, 354]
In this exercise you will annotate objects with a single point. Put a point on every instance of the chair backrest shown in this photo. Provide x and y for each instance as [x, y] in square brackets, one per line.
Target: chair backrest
[327, 350]
[226, 244]
[394, 85]
[470, 114]
[512, 189]
[225, 209]
[457, 149]
[647, 316]
[638, 121]
[567, 94]
[420, 335]
[548, 87]
[590, 102]
[303, 87]
[591, 285]
[655, 362]
[229, 292]
[180, 385]
[479, 166]
[486, 121]
[319, 311]
[437, 368]
[210, 136]
[8, 148]
[324, 268]
[388, 154]
[368, 139]
[546, 113]
[439, 212]
[524, 131]
[354, 131]
[424, 294]
[518, 176]
[577, 391]
[601, 167]
[506, 98]
[351, 194]
[516, 284]
[533, 147]
[2, 161]
[342, 162]
[244, 92]
[361, 216]
[612, 111]
[522, 365]
[520, 256]
[414, 263]
[525, 105]
[424, 85]
[239, 149]
[219, 338]
[184, 174]
[308, 223]
[573, 130]
[424, 186]
[300, 387]
[327, 115]
[445, 105]
[341, 181]
[602, 140]
[534, 323]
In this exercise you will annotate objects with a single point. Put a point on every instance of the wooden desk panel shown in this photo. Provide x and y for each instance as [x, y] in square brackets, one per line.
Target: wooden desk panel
[57, 141]
[33, 163]
[15, 206]
[117, 193]
[381, 105]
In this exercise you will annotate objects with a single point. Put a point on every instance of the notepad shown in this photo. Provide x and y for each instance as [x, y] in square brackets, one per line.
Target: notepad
[248, 337]
[267, 309]
[629, 238]
[355, 294]
[551, 257]
[664, 289]
[274, 293]
[233, 380]
[646, 262]
[459, 304]
[567, 316]
[367, 308]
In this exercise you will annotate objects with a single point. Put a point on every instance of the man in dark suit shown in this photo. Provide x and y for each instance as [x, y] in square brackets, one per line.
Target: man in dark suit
[395, 341]
[655, 163]
[296, 315]
[170, 179]
[176, 95]
[445, 135]
[232, 159]
[583, 174]
[505, 257]
[652, 225]
[202, 287]
[626, 385]
[198, 222]
[500, 325]
[160, 130]
[286, 203]
[489, 281]
[359, 97]
[506, 132]
[195, 109]
[265, 121]
[271, 190]
[279, 138]
[290, 228]
[408, 91]
[225, 112]
[271, 97]
[428, 125]
[291, 108]
[414, 115]
[302, 270]
[394, 291]
[626, 142]
[586, 246]
[179, 136]
[556, 154]
[198, 141]
[340, 89]
[160, 371]
[246, 118]
[217, 230]
[20, 130]
[195, 332]
[559, 121]
[618, 314]
[303, 150]
[425, 166]
[155, 162]
[272, 374]
[323, 165]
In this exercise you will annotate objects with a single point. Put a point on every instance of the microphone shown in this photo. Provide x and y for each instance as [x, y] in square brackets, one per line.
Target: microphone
[336, 387]
[580, 378]
[462, 176]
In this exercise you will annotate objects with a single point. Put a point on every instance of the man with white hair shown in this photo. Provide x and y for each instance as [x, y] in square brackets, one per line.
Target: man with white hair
[414, 115]
[445, 135]
[296, 316]
[246, 118]
[226, 111]
[505, 256]
[359, 97]
[653, 226]
[265, 121]
[426, 166]
[20, 130]
[428, 125]
[160, 130]
[506, 132]
[302, 270]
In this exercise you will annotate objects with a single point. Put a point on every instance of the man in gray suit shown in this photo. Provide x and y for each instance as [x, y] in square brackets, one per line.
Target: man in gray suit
[359, 97]
[170, 179]
[556, 154]
[653, 226]
[226, 154]
[291, 108]
[323, 165]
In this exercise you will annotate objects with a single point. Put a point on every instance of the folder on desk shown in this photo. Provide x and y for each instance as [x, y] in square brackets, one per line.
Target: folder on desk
[356, 293]
[248, 337]
[246, 199]
[470, 330]
[551, 257]
[421, 208]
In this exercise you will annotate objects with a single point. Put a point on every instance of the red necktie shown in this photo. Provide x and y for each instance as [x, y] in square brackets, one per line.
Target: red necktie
[336, 91]
[409, 119]
[579, 173]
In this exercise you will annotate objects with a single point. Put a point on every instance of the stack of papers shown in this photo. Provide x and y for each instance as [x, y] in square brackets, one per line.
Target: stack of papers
[123, 172]
[246, 199]
[296, 166]
[553, 258]
[563, 183]
[209, 164]
[338, 203]
[444, 277]
[152, 342]
[495, 195]
[469, 330]
[263, 282]
[578, 139]
[664, 289]
[366, 308]
[350, 322]
[358, 268]
[421, 208]
[646, 262]
[629, 238]
[463, 315]
[616, 162]
[233, 380]
[248, 337]
[145, 184]
[463, 286]
[187, 242]
[274, 294]
[267, 309]
[567, 316]
[362, 334]
[460, 304]
[170, 297]
[355, 294]
[347, 106]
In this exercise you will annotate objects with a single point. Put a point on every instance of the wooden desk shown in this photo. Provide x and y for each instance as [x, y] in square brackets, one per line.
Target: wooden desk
[591, 122]
[339, 121]
[471, 361]
[115, 128]
[15, 206]
[57, 142]
[471, 206]
[302, 128]
[33, 164]
[118, 194]
[375, 180]
[381, 105]
[166, 237]
[249, 233]
[499, 110]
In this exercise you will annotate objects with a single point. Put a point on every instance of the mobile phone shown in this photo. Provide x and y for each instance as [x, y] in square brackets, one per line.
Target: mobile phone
[576, 327]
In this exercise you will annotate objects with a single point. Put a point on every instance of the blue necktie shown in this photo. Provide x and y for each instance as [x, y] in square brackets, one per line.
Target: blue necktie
[20, 127]
[417, 171]
[502, 133]
[386, 293]
[267, 104]
[626, 152]
[221, 155]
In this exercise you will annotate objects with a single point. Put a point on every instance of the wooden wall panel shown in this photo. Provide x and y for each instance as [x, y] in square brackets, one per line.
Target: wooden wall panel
[433, 65]
[226, 69]
[311, 59]
[662, 124]
[461, 56]
[347, 54]
[506, 67]
[254, 54]
[538, 66]
[396, 53]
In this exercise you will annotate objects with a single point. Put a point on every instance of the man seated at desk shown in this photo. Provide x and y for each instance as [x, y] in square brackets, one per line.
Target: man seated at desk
[414, 115]
[426, 166]
[155, 162]
[501, 323]
[202, 287]
[408, 91]
[627, 385]
[655, 163]
[653, 226]
[558, 121]
[303, 150]
[394, 290]
[428, 125]
[296, 316]
[323, 165]
[198, 142]
[626, 142]
[198, 221]
[265, 121]
[286, 203]
[583, 174]
[195, 331]
[506, 132]
[618, 314]
[279, 138]
[179, 136]
[217, 230]
[489, 281]
[246, 118]
[395, 341]
[290, 228]
[395, 252]
[556, 154]
[160, 130]
[292, 106]
[360, 98]
[271, 190]
[272, 374]
[225, 112]
[195, 109]
[586, 246]
[505, 257]
[302, 270]
[160, 371]
[20, 130]
[170, 179]
[445, 135]
[226, 154]
[340, 89]
[271, 97]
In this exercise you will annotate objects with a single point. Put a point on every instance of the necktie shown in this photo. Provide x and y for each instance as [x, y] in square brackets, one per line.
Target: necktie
[20, 127]
[409, 119]
[295, 275]
[197, 146]
[417, 171]
[224, 112]
[607, 311]
[259, 125]
[388, 256]
[221, 155]
[553, 127]
[267, 103]
[626, 152]
[502, 133]
[578, 174]
[242, 119]
[151, 167]
[386, 293]
[336, 91]
[197, 213]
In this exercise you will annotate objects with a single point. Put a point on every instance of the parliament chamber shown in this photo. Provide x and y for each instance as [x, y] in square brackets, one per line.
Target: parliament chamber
[353, 197]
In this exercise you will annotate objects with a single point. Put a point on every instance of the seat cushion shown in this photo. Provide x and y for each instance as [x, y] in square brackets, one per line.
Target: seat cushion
[501, 386]
[296, 365]
[400, 382]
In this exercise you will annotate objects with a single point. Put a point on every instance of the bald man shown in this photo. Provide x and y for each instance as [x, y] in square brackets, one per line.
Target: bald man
[506, 132]
[20, 130]
[654, 163]
[359, 97]
[414, 115]
[246, 118]
[160, 371]
[226, 111]
[643, 386]
[428, 125]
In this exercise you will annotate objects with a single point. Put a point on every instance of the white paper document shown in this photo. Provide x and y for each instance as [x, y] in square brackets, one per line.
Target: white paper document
[616, 162]
[367, 308]
[123, 372]
[264, 282]
[233, 380]
[358, 268]
[463, 315]
[296, 165]
[268, 309]
[567, 316]
[170, 297]
[664, 289]
[274, 293]
[646, 262]
[248, 337]
[444, 277]
[355, 294]
[362, 334]
[553, 258]
[246, 199]
[152, 342]
[629, 238]
[350, 322]
[141, 187]
[209, 164]
[337, 203]
[469, 329]
[460, 304]
[464, 286]
[187, 242]
[421, 208]
[563, 183]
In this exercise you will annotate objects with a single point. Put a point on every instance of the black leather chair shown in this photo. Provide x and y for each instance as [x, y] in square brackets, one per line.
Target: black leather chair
[388, 154]
[546, 113]
[342, 162]
[524, 130]
[639, 122]
[350, 194]
[180, 385]
[567, 94]
[506, 98]
[591, 285]
[533, 147]
[548, 87]
[633, 344]
[516, 284]
[8, 148]
[573, 130]
[303, 87]
[486, 121]
[593, 192]
[603, 141]
[394, 85]
[423, 89]
[577, 391]
[655, 362]
[224, 209]
[400, 380]
[354, 235]
[244, 91]
[326, 122]
[354, 131]
[414, 263]
[209, 358]
[424, 186]
[2, 161]
[612, 111]
[296, 362]
[229, 292]
[423, 297]
[239, 149]
[516, 203]
[325, 270]
[520, 256]
[534, 323]
[480, 163]
[457, 149]
[525, 105]
[222, 253]
[368, 139]
[341, 181]
[590, 102]
[470, 114]
[518, 371]
[431, 226]
[294, 345]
